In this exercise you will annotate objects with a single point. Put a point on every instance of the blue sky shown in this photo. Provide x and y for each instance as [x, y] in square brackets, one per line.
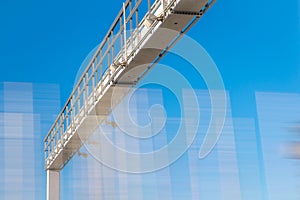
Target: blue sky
[255, 44]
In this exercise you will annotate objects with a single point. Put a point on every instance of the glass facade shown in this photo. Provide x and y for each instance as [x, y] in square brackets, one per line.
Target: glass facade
[248, 161]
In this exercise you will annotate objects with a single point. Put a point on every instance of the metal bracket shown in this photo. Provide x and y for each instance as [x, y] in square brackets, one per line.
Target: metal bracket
[111, 123]
[123, 63]
[124, 83]
[160, 18]
[115, 65]
[187, 13]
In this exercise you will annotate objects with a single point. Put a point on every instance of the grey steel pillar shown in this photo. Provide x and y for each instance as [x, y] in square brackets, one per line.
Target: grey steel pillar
[53, 185]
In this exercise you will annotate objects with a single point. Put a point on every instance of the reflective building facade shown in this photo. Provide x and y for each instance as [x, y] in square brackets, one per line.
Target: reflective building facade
[248, 161]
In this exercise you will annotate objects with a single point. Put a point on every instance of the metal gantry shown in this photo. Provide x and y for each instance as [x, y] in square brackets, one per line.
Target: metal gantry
[139, 25]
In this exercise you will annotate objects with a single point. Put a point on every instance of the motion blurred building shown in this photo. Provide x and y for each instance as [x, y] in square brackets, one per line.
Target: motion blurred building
[26, 112]
[247, 162]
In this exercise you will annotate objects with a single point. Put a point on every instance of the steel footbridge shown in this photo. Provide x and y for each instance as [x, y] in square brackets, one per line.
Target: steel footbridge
[139, 37]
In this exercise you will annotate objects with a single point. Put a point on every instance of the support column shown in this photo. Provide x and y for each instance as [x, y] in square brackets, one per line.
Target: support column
[53, 185]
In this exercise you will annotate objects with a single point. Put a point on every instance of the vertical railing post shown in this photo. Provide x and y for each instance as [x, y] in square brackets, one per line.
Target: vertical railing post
[149, 7]
[48, 147]
[62, 128]
[72, 115]
[78, 102]
[163, 3]
[94, 81]
[85, 94]
[131, 24]
[101, 73]
[125, 34]
[112, 46]
[45, 152]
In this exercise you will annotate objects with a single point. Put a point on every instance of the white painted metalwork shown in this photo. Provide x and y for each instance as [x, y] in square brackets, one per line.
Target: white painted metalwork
[53, 185]
[121, 50]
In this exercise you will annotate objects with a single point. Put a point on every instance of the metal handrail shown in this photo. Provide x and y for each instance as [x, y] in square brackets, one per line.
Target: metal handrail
[59, 127]
[86, 70]
[78, 104]
[90, 64]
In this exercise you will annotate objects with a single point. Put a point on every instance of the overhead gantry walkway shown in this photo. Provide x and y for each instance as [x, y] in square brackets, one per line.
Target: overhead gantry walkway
[139, 37]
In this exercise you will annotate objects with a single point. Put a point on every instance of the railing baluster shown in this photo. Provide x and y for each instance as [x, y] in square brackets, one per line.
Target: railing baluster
[131, 24]
[149, 6]
[125, 35]
[112, 47]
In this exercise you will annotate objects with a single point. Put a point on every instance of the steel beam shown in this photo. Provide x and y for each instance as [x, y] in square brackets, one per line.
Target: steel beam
[53, 185]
